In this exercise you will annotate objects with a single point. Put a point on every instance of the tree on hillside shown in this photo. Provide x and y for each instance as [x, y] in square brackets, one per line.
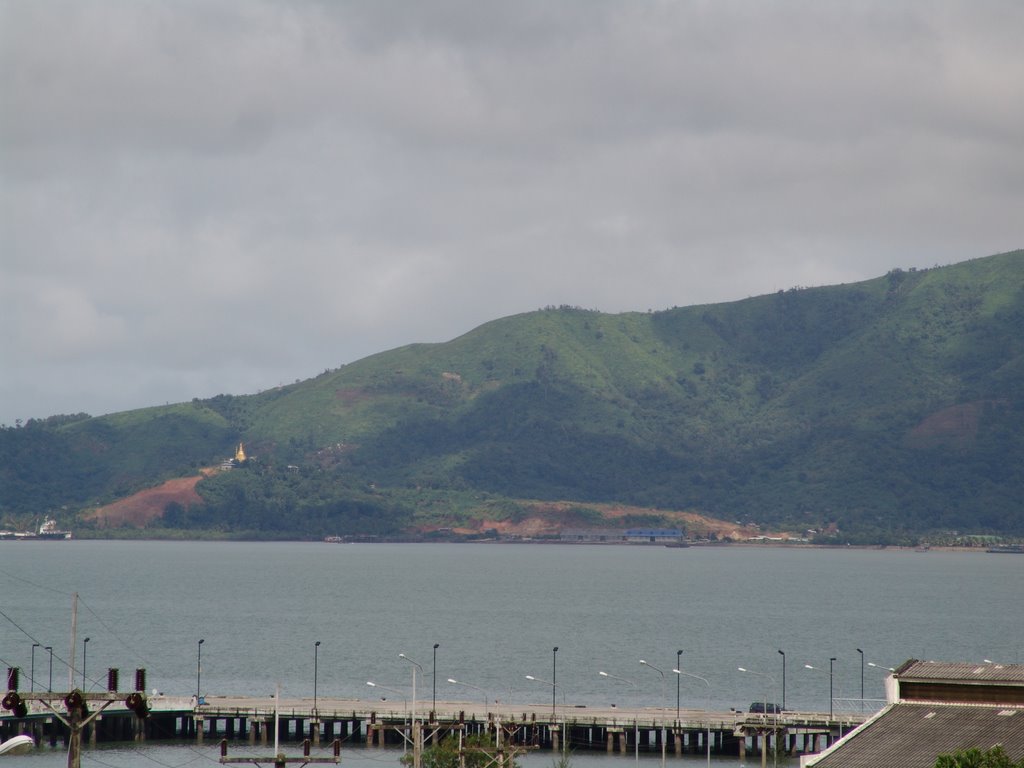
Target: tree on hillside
[975, 758]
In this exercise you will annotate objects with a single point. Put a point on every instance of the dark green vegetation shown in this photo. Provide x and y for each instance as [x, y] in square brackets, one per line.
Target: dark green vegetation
[995, 757]
[477, 751]
[877, 412]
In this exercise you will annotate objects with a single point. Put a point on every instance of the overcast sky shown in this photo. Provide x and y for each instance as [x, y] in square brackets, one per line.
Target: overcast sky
[215, 196]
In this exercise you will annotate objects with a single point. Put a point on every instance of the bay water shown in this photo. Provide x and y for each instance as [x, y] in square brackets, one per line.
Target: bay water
[497, 611]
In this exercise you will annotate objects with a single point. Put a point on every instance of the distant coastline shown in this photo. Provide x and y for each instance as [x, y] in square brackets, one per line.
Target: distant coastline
[144, 535]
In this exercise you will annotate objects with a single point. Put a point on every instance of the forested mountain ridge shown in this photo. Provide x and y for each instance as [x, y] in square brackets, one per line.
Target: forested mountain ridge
[881, 410]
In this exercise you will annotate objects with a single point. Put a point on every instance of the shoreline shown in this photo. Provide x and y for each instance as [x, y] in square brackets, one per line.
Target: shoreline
[780, 545]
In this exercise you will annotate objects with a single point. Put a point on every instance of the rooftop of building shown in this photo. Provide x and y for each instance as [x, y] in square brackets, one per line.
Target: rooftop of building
[914, 734]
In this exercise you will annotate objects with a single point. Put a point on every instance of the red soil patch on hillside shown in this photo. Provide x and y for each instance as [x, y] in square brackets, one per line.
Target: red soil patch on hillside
[543, 518]
[143, 507]
[351, 396]
[956, 427]
[553, 518]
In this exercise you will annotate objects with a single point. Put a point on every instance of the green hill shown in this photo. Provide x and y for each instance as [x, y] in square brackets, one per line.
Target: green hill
[883, 409]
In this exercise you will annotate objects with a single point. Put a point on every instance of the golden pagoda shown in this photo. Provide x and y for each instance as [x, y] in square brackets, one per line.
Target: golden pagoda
[240, 453]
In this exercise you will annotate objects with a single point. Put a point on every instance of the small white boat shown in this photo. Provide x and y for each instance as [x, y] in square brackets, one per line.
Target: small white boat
[17, 745]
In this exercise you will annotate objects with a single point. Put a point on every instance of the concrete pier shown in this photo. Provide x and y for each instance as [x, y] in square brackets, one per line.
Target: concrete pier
[366, 723]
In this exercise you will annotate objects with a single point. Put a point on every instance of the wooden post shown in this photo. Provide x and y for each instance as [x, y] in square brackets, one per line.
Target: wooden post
[75, 737]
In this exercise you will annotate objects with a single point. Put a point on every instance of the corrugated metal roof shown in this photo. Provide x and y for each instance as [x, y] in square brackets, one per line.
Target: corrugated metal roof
[961, 672]
[912, 735]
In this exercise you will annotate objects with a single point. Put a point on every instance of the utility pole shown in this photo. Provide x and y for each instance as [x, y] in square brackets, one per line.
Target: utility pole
[77, 705]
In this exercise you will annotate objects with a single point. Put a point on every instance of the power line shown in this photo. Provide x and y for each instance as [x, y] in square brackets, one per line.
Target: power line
[10, 575]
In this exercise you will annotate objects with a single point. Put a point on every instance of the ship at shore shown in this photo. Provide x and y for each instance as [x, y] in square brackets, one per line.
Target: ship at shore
[48, 531]
[1011, 549]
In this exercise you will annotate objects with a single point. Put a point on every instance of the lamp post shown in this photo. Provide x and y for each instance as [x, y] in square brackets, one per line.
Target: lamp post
[85, 647]
[679, 656]
[707, 707]
[405, 705]
[660, 672]
[554, 679]
[783, 678]
[636, 723]
[885, 671]
[453, 681]
[316, 654]
[830, 661]
[433, 698]
[764, 745]
[49, 685]
[405, 700]
[199, 666]
[553, 689]
[546, 682]
[32, 671]
[416, 752]
[861, 679]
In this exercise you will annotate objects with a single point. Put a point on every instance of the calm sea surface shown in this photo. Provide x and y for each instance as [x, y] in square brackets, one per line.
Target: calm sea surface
[497, 611]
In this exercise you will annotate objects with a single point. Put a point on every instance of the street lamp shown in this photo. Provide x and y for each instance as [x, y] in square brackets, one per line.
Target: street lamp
[554, 679]
[32, 672]
[885, 671]
[783, 679]
[415, 667]
[49, 685]
[546, 682]
[764, 749]
[85, 647]
[636, 723]
[707, 707]
[316, 654]
[679, 656]
[405, 706]
[861, 679]
[415, 729]
[199, 666]
[553, 689]
[660, 672]
[433, 698]
[393, 690]
[453, 681]
[830, 661]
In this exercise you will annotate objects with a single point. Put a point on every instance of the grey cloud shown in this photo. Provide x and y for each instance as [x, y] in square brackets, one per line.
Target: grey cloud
[220, 196]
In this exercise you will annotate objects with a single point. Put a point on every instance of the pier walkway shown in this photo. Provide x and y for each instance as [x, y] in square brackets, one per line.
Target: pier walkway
[378, 723]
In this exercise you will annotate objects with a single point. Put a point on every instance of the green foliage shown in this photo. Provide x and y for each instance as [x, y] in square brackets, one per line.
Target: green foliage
[879, 411]
[995, 757]
[76, 460]
[290, 504]
[478, 750]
